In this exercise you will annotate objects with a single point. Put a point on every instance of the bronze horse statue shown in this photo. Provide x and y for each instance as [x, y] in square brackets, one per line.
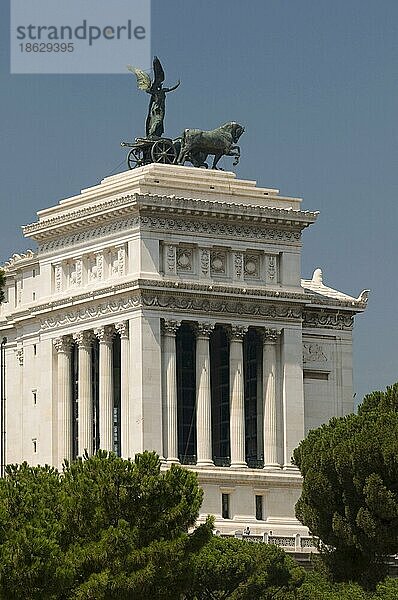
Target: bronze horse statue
[196, 144]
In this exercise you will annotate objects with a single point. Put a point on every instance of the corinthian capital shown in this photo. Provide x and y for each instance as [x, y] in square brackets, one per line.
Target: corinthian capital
[204, 329]
[105, 334]
[237, 332]
[122, 329]
[271, 336]
[170, 326]
[84, 339]
[63, 343]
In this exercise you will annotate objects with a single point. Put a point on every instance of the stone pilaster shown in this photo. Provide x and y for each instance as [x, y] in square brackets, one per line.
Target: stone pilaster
[123, 331]
[270, 399]
[84, 341]
[63, 346]
[203, 395]
[105, 336]
[169, 328]
[237, 397]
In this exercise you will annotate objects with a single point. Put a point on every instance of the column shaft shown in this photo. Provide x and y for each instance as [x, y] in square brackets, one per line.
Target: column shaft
[170, 370]
[85, 399]
[203, 396]
[106, 400]
[237, 397]
[122, 329]
[63, 346]
[270, 400]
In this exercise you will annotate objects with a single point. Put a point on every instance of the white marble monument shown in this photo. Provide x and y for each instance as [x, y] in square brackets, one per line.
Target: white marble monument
[164, 310]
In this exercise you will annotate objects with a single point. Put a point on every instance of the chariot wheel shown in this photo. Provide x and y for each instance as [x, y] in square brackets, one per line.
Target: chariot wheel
[136, 158]
[163, 151]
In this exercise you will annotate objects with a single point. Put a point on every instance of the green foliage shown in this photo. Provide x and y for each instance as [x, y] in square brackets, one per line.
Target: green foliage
[350, 489]
[106, 528]
[317, 587]
[2, 283]
[230, 568]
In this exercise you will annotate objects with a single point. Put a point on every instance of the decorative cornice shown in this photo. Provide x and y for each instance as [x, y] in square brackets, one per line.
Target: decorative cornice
[328, 320]
[19, 259]
[89, 234]
[111, 209]
[182, 303]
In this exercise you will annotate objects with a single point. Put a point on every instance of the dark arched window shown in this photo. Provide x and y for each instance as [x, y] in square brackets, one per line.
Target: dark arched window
[219, 378]
[186, 393]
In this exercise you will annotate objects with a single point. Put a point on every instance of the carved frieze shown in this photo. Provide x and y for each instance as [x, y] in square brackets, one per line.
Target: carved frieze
[328, 320]
[90, 234]
[184, 302]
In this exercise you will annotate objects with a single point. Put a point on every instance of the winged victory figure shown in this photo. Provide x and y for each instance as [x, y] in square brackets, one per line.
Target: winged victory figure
[154, 126]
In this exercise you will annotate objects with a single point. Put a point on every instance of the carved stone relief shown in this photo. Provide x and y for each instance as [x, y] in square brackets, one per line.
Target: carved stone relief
[252, 265]
[314, 353]
[184, 259]
[205, 262]
[218, 262]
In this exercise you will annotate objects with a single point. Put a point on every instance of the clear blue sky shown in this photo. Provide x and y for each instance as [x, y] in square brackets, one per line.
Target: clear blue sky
[315, 84]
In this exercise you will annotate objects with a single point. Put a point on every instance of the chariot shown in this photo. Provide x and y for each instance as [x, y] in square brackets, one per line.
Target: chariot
[145, 151]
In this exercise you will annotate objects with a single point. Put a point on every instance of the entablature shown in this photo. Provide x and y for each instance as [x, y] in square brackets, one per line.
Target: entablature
[113, 209]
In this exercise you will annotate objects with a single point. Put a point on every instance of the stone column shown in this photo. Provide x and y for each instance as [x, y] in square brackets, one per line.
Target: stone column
[203, 395]
[270, 411]
[237, 397]
[123, 331]
[84, 341]
[293, 393]
[63, 346]
[169, 354]
[105, 336]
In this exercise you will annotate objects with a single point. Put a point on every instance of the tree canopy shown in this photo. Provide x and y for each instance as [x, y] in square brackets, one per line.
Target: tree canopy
[239, 570]
[106, 528]
[349, 498]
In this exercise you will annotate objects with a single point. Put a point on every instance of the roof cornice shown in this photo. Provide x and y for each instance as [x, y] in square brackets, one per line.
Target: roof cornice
[108, 210]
